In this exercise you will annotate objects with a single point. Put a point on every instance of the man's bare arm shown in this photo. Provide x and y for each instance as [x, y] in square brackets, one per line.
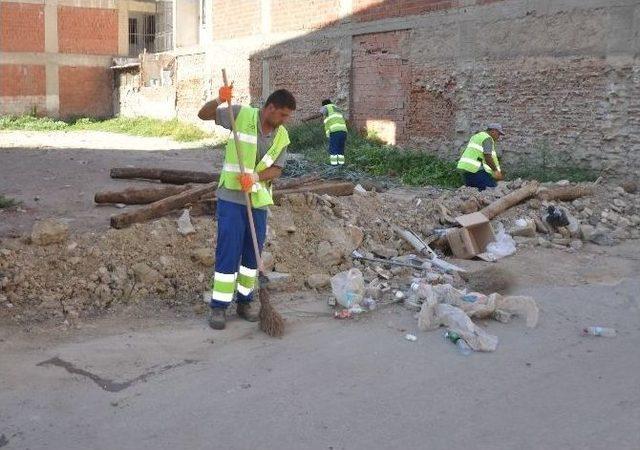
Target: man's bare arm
[270, 173]
[208, 111]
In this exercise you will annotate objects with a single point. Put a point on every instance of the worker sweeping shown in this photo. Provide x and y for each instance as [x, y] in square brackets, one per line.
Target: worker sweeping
[335, 128]
[263, 143]
[479, 162]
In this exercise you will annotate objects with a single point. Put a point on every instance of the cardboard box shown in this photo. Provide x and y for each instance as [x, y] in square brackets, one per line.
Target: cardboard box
[474, 236]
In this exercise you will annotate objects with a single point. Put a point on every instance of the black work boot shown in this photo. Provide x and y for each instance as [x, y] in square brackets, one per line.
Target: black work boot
[247, 312]
[218, 318]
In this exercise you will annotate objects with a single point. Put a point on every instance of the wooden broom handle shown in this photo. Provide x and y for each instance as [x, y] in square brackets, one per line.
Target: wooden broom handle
[247, 197]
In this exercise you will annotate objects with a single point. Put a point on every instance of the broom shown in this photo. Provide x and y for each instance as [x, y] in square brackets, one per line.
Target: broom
[270, 321]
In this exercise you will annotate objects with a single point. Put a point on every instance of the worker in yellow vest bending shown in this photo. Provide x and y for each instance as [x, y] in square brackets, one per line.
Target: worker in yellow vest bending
[479, 162]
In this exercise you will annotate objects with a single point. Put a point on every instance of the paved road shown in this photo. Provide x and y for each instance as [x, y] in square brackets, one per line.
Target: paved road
[331, 384]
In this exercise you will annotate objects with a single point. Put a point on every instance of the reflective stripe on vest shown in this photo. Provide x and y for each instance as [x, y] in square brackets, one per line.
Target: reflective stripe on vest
[247, 130]
[473, 159]
[334, 120]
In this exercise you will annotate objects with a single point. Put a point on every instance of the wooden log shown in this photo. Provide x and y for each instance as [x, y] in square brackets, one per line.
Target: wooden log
[337, 189]
[205, 194]
[509, 200]
[139, 196]
[144, 196]
[565, 193]
[288, 183]
[207, 202]
[171, 176]
[135, 172]
[174, 176]
[161, 207]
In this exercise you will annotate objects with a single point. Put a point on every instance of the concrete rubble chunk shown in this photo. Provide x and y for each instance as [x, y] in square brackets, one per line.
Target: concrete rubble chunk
[203, 256]
[49, 231]
[328, 255]
[278, 281]
[318, 280]
[384, 252]
[145, 274]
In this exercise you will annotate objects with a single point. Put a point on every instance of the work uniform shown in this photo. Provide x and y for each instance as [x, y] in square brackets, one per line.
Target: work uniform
[335, 128]
[236, 264]
[473, 163]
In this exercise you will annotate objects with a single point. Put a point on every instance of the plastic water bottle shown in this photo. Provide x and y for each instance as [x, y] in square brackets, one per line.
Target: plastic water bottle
[599, 331]
[454, 337]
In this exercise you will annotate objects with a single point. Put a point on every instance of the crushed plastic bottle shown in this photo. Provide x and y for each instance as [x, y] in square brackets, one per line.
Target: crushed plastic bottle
[599, 331]
[454, 337]
[411, 337]
[369, 303]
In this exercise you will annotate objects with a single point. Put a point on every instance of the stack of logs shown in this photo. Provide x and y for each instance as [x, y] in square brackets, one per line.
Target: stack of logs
[195, 189]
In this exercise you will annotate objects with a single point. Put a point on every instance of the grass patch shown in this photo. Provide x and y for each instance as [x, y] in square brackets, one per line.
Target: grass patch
[139, 126]
[374, 157]
[6, 202]
[415, 168]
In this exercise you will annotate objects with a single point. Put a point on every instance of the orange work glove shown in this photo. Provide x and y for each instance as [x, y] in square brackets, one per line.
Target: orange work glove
[225, 93]
[247, 180]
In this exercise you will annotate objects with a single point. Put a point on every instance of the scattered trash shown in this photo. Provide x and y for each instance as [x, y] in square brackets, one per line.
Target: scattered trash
[356, 309]
[399, 295]
[343, 314]
[470, 298]
[359, 189]
[369, 303]
[599, 331]
[410, 337]
[504, 245]
[474, 236]
[454, 337]
[555, 217]
[348, 287]
[184, 224]
[502, 316]
[432, 316]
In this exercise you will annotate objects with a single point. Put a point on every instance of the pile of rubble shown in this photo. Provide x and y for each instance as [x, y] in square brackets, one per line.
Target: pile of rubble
[311, 237]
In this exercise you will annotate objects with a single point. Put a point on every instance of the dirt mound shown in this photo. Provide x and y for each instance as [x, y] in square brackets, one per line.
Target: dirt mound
[309, 236]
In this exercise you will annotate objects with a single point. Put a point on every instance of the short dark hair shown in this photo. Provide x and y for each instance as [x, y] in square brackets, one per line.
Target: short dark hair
[282, 99]
[326, 102]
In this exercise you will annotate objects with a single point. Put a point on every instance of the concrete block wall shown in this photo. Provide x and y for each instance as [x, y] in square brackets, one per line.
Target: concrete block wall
[55, 55]
[562, 76]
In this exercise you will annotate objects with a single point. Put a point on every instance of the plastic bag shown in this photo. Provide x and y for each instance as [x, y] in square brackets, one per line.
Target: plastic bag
[348, 287]
[432, 316]
[184, 224]
[504, 245]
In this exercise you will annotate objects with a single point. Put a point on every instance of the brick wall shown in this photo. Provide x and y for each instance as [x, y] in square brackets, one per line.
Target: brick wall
[368, 10]
[311, 78]
[87, 30]
[235, 18]
[381, 84]
[21, 79]
[291, 15]
[21, 27]
[85, 91]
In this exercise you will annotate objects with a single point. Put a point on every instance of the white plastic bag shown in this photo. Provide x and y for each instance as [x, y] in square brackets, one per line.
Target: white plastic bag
[348, 287]
[184, 224]
[504, 245]
[432, 316]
